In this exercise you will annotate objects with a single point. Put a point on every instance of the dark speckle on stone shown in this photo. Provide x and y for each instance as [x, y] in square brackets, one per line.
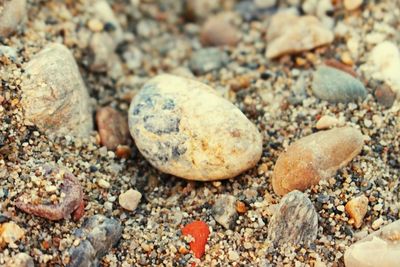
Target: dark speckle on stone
[161, 124]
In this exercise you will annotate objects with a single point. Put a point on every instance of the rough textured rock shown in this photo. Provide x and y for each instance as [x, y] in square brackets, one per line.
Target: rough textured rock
[21, 260]
[385, 62]
[11, 16]
[288, 34]
[100, 234]
[333, 85]
[315, 157]
[10, 232]
[218, 31]
[183, 128]
[113, 127]
[295, 221]
[54, 95]
[130, 199]
[224, 211]
[206, 60]
[381, 248]
[357, 208]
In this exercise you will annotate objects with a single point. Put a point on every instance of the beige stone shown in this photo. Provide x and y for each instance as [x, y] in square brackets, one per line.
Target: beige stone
[326, 122]
[182, 127]
[13, 13]
[10, 232]
[315, 157]
[54, 95]
[352, 4]
[218, 31]
[130, 199]
[381, 248]
[357, 208]
[288, 34]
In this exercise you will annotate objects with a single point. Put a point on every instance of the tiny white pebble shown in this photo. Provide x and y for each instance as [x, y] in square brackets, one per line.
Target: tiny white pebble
[103, 183]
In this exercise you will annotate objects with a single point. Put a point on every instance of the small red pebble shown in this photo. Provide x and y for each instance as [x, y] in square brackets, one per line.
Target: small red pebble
[78, 213]
[199, 231]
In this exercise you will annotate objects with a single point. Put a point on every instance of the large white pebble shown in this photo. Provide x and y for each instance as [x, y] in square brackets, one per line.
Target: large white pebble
[183, 128]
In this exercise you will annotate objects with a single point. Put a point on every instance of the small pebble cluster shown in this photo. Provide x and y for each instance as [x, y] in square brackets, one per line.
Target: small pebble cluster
[199, 133]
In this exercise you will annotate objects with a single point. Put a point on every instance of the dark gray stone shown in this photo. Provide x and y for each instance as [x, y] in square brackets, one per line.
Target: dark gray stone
[335, 86]
[224, 211]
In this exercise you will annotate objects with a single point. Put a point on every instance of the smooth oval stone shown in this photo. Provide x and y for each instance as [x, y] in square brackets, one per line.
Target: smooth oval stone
[183, 128]
[333, 85]
[381, 248]
[315, 157]
[295, 221]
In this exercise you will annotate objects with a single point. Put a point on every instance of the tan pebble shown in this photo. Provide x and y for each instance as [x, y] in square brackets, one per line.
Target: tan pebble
[377, 223]
[113, 127]
[123, 152]
[315, 157]
[10, 232]
[352, 4]
[218, 31]
[103, 184]
[233, 255]
[326, 122]
[95, 25]
[130, 199]
[357, 208]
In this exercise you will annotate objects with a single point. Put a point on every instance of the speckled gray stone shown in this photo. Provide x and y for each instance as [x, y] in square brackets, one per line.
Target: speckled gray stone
[208, 59]
[295, 221]
[224, 211]
[54, 96]
[11, 16]
[333, 85]
[100, 234]
[183, 128]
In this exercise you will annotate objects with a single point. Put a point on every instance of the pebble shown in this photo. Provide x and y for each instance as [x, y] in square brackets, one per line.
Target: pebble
[199, 231]
[207, 59]
[21, 260]
[10, 232]
[357, 209]
[224, 211]
[54, 95]
[12, 14]
[381, 248]
[113, 127]
[130, 199]
[289, 34]
[385, 60]
[385, 96]
[352, 4]
[326, 122]
[315, 157]
[195, 9]
[183, 128]
[218, 31]
[295, 221]
[333, 85]
[100, 234]
[233, 255]
[104, 184]
[8, 52]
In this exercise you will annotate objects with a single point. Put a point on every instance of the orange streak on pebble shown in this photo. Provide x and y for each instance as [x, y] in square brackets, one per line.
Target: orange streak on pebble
[200, 232]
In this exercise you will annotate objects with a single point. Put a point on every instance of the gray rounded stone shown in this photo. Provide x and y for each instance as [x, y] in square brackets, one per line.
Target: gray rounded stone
[183, 128]
[208, 59]
[335, 86]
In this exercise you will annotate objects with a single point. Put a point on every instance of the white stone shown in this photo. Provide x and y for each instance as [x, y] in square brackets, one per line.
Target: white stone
[183, 128]
[352, 4]
[381, 248]
[130, 199]
[54, 96]
[288, 33]
[385, 62]
[104, 184]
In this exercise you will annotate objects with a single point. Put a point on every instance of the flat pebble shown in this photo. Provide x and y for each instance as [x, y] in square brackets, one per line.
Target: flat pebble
[385, 61]
[289, 34]
[130, 199]
[218, 31]
[54, 95]
[12, 15]
[381, 248]
[357, 208]
[333, 85]
[326, 122]
[99, 235]
[295, 221]
[224, 211]
[113, 127]
[183, 128]
[315, 157]
[207, 59]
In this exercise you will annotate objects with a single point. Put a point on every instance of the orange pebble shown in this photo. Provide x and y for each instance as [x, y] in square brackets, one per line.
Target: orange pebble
[200, 232]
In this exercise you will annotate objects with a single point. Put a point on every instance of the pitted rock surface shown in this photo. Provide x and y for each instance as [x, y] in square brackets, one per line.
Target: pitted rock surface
[183, 128]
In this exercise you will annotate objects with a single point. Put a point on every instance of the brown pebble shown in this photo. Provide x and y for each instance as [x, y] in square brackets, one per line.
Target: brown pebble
[112, 126]
[385, 96]
[357, 208]
[241, 207]
[315, 157]
[239, 83]
[217, 31]
[123, 152]
[340, 66]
